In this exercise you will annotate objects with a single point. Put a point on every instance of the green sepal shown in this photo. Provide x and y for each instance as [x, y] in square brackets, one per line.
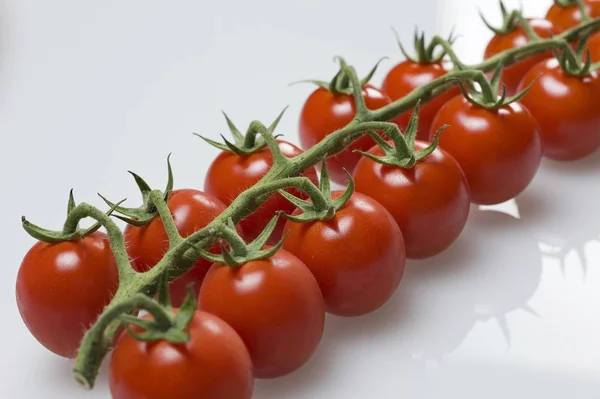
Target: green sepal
[565, 3]
[340, 83]
[144, 214]
[53, 237]
[570, 60]
[402, 153]
[322, 206]
[173, 327]
[424, 53]
[237, 256]
[487, 95]
[243, 145]
[510, 20]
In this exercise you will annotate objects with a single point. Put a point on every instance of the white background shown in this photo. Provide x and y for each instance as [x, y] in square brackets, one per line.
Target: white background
[89, 90]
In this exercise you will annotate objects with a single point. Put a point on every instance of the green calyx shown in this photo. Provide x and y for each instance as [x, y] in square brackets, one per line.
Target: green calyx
[70, 232]
[240, 252]
[565, 3]
[425, 53]
[510, 21]
[144, 214]
[402, 153]
[341, 82]
[573, 62]
[487, 94]
[165, 325]
[243, 145]
[321, 206]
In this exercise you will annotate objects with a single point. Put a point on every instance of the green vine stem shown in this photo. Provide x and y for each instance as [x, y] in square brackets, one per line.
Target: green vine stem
[182, 255]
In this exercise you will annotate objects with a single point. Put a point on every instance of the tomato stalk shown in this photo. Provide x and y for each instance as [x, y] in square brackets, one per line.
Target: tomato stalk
[181, 256]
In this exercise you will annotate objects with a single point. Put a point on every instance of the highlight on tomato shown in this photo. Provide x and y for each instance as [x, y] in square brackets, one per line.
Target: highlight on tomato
[270, 298]
[146, 237]
[351, 244]
[566, 14]
[411, 74]
[241, 165]
[421, 185]
[331, 107]
[563, 98]
[494, 138]
[180, 353]
[515, 32]
[63, 284]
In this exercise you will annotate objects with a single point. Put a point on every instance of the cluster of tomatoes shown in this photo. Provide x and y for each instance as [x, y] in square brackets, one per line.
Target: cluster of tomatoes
[265, 318]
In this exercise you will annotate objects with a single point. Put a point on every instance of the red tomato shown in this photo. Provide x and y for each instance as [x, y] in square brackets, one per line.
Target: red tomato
[569, 17]
[430, 202]
[512, 75]
[323, 113]
[357, 257]
[498, 150]
[566, 108]
[593, 46]
[213, 364]
[274, 304]
[192, 210]
[407, 76]
[230, 174]
[62, 288]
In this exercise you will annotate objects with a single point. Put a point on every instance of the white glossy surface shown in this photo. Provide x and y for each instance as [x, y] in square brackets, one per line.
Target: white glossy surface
[512, 310]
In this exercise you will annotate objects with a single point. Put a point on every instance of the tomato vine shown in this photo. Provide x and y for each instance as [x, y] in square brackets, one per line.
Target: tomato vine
[135, 288]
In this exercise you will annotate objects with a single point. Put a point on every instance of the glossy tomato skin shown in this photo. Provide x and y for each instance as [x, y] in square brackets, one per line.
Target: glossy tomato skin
[568, 17]
[407, 76]
[566, 108]
[62, 288]
[430, 202]
[499, 150]
[593, 46]
[230, 174]
[323, 113]
[192, 210]
[512, 75]
[213, 364]
[357, 257]
[275, 305]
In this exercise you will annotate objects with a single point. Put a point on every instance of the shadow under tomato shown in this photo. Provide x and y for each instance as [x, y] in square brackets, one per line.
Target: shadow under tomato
[493, 270]
[588, 166]
[561, 208]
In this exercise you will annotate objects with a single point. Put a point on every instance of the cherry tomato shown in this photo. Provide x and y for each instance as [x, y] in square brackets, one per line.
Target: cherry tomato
[430, 202]
[569, 17]
[499, 150]
[192, 210]
[274, 304]
[566, 108]
[409, 75]
[593, 46]
[63, 287]
[213, 364]
[230, 174]
[512, 75]
[357, 257]
[325, 112]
